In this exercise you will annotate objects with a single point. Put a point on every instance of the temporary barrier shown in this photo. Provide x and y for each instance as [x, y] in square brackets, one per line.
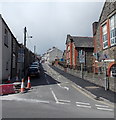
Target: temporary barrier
[7, 89]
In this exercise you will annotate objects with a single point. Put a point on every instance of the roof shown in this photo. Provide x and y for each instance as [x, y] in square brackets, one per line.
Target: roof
[86, 42]
[83, 41]
[52, 49]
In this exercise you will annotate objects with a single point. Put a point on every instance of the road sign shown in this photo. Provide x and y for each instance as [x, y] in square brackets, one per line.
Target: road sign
[82, 56]
[21, 55]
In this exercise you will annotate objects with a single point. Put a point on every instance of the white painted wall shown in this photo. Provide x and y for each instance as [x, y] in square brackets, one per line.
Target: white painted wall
[6, 53]
[0, 49]
[52, 55]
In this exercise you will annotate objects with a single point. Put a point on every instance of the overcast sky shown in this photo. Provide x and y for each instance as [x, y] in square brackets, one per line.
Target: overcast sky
[50, 22]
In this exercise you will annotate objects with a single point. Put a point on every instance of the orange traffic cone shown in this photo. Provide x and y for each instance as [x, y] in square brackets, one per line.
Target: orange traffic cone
[22, 90]
[28, 84]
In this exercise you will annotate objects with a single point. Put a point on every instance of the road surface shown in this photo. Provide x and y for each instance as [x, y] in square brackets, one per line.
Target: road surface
[54, 96]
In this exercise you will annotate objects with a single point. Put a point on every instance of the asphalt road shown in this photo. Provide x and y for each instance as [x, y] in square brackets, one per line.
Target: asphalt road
[53, 96]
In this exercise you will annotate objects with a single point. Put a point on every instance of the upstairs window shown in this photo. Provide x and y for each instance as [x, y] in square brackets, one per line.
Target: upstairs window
[113, 30]
[6, 37]
[104, 36]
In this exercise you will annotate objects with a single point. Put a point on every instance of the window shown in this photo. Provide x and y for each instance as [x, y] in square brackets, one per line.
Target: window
[6, 37]
[6, 65]
[68, 48]
[113, 30]
[104, 37]
[14, 60]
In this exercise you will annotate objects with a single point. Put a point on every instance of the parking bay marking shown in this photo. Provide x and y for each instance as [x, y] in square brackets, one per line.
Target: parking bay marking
[83, 106]
[101, 106]
[104, 109]
[82, 103]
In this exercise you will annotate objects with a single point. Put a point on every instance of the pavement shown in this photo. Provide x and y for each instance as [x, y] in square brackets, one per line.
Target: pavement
[96, 91]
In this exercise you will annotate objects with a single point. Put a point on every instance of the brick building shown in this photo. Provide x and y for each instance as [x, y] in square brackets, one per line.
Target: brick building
[104, 34]
[79, 45]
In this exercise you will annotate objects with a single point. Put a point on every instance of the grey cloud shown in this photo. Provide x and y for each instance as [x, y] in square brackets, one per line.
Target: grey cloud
[50, 22]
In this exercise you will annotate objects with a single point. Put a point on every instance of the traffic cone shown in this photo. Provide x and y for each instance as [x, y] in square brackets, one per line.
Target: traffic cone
[22, 90]
[28, 84]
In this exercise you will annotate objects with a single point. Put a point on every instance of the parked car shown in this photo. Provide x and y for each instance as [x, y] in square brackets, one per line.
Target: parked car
[34, 65]
[34, 71]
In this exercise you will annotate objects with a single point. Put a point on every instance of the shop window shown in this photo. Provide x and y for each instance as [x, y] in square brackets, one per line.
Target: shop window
[113, 30]
[104, 37]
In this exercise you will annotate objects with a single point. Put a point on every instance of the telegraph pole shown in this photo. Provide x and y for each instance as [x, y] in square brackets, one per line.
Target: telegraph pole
[25, 39]
[34, 49]
[25, 31]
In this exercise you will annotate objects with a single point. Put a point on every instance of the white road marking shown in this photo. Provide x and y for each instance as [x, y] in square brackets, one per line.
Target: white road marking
[64, 101]
[59, 85]
[47, 80]
[101, 105]
[82, 103]
[63, 87]
[79, 86]
[54, 95]
[57, 100]
[83, 106]
[104, 109]
[26, 100]
[66, 88]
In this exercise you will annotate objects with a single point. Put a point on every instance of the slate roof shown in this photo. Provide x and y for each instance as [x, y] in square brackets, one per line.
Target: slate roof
[86, 42]
[83, 41]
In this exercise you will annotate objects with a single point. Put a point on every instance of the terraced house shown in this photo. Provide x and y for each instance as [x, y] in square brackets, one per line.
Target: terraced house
[104, 34]
[5, 49]
[11, 54]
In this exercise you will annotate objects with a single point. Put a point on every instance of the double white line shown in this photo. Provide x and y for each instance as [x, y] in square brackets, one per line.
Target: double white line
[81, 104]
[103, 107]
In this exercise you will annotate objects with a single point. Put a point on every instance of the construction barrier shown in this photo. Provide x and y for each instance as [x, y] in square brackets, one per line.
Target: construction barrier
[7, 89]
